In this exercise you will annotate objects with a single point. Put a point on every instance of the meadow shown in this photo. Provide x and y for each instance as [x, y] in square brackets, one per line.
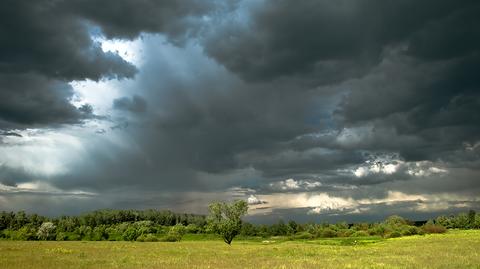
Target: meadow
[455, 249]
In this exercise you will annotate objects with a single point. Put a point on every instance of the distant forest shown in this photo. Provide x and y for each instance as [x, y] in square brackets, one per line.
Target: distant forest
[154, 225]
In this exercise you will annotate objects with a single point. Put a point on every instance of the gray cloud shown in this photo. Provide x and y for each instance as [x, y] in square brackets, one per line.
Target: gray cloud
[135, 104]
[355, 99]
[176, 18]
[30, 100]
[341, 39]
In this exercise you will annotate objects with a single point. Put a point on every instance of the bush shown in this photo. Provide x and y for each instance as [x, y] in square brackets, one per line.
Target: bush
[344, 233]
[114, 234]
[328, 233]
[476, 224]
[130, 234]
[147, 238]
[434, 229]
[99, 233]
[61, 236]
[395, 221]
[193, 229]
[394, 234]
[360, 234]
[175, 234]
[360, 226]
[303, 235]
[84, 232]
[27, 232]
[409, 230]
[380, 229]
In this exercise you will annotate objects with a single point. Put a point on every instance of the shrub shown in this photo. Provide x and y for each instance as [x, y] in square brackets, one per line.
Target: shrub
[344, 233]
[476, 224]
[175, 234]
[99, 233]
[144, 227]
[27, 232]
[114, 234]
[434, 228]
[444, 221]
[461, 221]
[361, 226]
[394, 234]
[381, 230]
[341, 226]
[193, 229]
[84, 232]
[395, 221]
[147, 238]
[303, 235]
[130, 234]
[328, 233]
[409, 230]
[360, 234]
[61, 236]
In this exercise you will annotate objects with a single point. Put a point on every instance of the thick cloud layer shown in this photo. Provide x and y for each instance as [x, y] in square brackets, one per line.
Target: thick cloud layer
[51, 41]
[304, 109]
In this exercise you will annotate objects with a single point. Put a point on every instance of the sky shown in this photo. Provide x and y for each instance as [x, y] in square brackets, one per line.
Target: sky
[347, 110]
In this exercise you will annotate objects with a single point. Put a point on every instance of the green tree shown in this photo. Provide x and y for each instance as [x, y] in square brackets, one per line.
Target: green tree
[46, 231]
[471, 218]
[225, 219]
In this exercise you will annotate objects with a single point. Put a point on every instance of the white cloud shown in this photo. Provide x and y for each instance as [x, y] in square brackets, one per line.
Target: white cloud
[394, 197]
[322, 201]
[292, 184]
[389, 165]
[130, 50]
[424, 169]
[253, 200]
[318, 203]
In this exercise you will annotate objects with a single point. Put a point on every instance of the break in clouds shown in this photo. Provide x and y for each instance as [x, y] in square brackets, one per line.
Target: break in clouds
[331, 110]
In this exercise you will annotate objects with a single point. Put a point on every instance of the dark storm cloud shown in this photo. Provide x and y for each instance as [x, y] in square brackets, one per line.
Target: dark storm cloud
[128, 18]
[201, 117]
[30, 100]
[339, 38]
[41, 50]
[50, 41]
[39, 37]
[326, 93]
[13, 176]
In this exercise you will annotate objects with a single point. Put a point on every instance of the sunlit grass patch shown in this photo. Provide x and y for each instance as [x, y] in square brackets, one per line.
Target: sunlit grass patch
[456, 249]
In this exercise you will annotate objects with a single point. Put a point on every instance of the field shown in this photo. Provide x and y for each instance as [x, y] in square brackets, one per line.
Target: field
[456, 249]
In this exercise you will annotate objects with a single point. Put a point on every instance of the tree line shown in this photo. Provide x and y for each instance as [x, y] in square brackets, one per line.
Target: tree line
[224, 220]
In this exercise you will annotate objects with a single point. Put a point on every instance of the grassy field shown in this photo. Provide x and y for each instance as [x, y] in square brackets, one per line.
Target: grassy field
[456, 249]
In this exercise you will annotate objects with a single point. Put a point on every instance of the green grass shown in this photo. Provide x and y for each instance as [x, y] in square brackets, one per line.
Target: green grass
[456, 249]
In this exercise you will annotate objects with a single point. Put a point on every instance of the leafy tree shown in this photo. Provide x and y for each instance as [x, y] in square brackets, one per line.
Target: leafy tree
[395, 221]
[444, 221]
[461, 221]
[476, 224]
[292, 227]
[471, 218]
[46, 231]
[130, 234]
[248, 229]
[225, 219]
